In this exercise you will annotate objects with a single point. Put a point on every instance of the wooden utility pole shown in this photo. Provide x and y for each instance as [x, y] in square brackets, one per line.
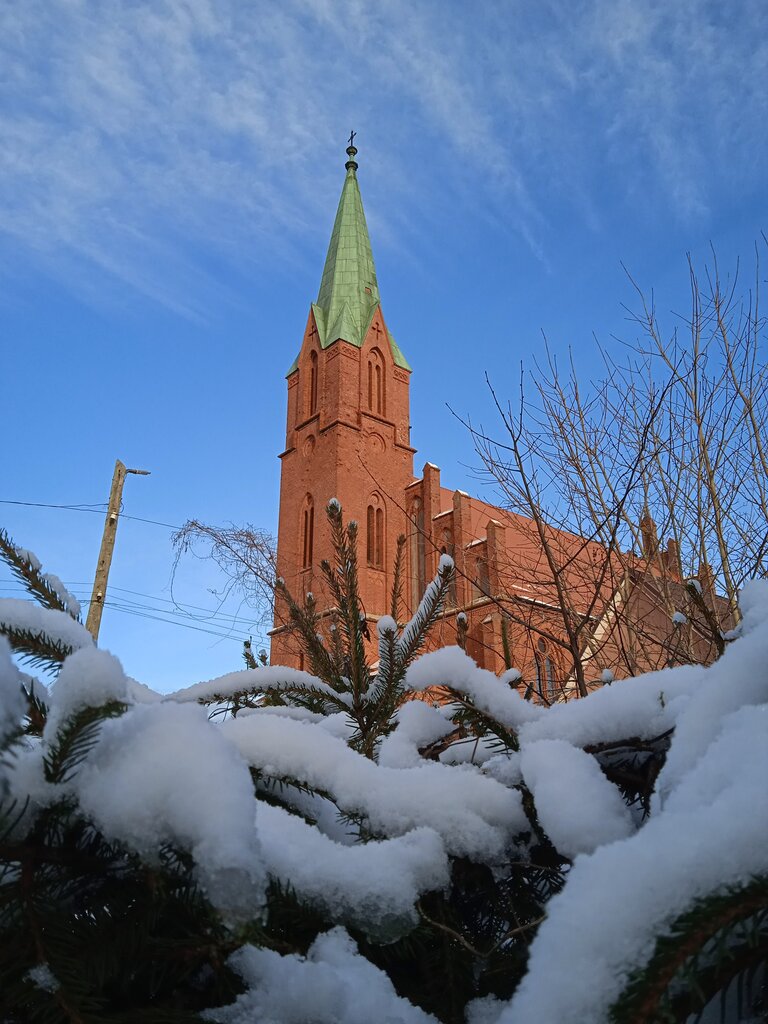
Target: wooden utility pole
[96, 606]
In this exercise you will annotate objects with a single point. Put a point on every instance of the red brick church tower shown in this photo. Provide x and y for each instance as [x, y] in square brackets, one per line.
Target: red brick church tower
[348, 437]
[348, 429]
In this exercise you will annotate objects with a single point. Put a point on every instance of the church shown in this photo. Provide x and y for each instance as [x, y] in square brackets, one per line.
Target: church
[348, 437]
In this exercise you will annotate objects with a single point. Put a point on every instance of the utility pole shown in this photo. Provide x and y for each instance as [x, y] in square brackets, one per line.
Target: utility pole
[96, 606]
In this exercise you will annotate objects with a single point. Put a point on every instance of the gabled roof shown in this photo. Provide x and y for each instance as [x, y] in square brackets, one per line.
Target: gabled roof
[349, 292]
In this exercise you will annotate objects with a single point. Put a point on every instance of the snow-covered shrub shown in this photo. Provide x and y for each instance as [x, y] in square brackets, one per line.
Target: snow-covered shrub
[330, 851]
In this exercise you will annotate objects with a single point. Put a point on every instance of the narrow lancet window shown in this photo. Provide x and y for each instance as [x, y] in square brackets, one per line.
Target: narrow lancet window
[312, 383]
[308, 531]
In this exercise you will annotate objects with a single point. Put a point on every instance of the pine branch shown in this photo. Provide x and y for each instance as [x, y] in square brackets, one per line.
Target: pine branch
[480, 723]
[415, 633]
[343, 583]
[397, 579]
[305, 624]
[718, 938]
[311, 697]
[76, 738]
[26, 569]
[36, 648]
[248, 655]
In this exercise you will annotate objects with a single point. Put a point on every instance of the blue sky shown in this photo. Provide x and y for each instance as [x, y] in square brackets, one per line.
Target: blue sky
[169, 173]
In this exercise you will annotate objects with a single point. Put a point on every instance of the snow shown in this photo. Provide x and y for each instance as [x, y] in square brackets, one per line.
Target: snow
[577, 806]
[333, 984]
[412, 628]
[712, 833]
[254, 680]
[505, 768]
[483, 1011]
[643, 706]
[679, 618]
[445, 563]
[12, 701]
[606, 677]
[475, 815]
[708, 830]
[418, 724]
[386, 624]
[511, 676]
[450, 666]
[16, 613]
[42, 977]
[162, 773]
[88, 678]
[30, 558]
[372, 886]
[69, 601]
[737, 679]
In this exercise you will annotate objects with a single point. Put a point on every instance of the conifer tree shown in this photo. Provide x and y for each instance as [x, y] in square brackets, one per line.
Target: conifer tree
[111, 920]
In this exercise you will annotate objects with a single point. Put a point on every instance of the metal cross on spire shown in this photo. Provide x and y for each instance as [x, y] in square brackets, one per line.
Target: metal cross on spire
[351, 164]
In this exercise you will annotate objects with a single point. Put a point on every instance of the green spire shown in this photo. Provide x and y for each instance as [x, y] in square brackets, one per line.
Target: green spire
[349, 291]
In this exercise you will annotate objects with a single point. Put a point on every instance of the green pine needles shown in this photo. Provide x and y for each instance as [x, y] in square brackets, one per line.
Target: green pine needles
[335, 646]
[420, 840]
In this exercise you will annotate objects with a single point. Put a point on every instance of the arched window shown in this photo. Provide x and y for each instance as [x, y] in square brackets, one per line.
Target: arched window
[546, 683]
[481, 586]
[308, 532]
[376, 383]
[380, 537]
[418, 555]
[448, 549]
[375, 534]
[312, 403]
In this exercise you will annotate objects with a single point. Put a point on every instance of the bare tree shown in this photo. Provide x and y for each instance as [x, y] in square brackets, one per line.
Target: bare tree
[647, 490]
[245, 557]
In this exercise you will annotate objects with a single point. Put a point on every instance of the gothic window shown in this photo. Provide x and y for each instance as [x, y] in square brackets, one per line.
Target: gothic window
[448, 549]
[418, 554]
[312, 383]
[375, 535]
[376, 388]
[481, 586]
[308, 532]
[546, 684]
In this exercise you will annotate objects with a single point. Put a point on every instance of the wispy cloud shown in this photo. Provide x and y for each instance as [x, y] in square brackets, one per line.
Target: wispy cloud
[135, 136]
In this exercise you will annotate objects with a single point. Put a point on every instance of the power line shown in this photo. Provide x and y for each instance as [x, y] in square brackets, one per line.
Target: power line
[173, 622]
[216, 618]
[73, 585]
[177, 604]
[98, 509]
[95, 506]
